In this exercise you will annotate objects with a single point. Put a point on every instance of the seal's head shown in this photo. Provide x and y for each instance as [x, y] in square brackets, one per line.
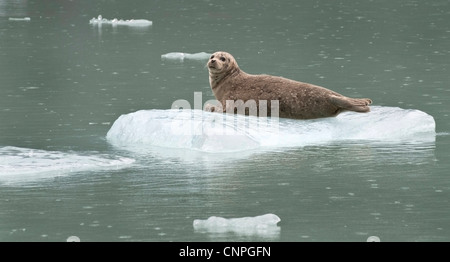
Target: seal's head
[221, 63]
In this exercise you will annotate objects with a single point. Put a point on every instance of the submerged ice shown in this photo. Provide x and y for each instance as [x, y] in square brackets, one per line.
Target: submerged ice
[213, 132]
[132, 22]
[19, 164]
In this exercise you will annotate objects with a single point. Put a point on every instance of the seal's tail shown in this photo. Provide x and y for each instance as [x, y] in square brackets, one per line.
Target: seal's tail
[352, 104]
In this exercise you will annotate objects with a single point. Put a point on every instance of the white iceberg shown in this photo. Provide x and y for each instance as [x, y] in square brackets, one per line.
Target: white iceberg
[114, 22]
[214, 132]
[263, 225]
[25, 164]
[180, 57]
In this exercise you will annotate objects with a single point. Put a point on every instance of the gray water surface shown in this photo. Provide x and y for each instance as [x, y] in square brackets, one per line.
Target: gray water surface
[63, 83]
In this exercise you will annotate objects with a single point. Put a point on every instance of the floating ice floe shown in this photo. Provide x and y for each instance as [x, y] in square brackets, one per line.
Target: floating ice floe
[25, 164]
[19, 19]
[215, 132]
[180, 57]
[132, 22]
[264, 225]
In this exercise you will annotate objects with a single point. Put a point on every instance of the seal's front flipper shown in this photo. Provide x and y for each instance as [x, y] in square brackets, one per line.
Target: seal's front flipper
[213, 107]
[352, 104]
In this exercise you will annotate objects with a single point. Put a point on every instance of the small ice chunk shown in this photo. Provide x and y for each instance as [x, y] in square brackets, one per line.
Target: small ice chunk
[198, 56]
[179, 56]
[173, 56]
[264, 224]
[26, 88]
[132, 22]
[19, 19]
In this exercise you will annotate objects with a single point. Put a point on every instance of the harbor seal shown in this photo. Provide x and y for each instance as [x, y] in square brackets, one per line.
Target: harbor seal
[234, 88]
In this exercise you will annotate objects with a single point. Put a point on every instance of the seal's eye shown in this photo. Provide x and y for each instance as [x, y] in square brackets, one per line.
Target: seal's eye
[211, 57]
[222, 59]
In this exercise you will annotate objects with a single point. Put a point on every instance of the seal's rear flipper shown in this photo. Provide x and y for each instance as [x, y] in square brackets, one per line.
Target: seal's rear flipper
[352, 104]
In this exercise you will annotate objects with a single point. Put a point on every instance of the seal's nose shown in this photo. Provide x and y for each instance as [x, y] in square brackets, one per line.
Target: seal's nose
[213, 61]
